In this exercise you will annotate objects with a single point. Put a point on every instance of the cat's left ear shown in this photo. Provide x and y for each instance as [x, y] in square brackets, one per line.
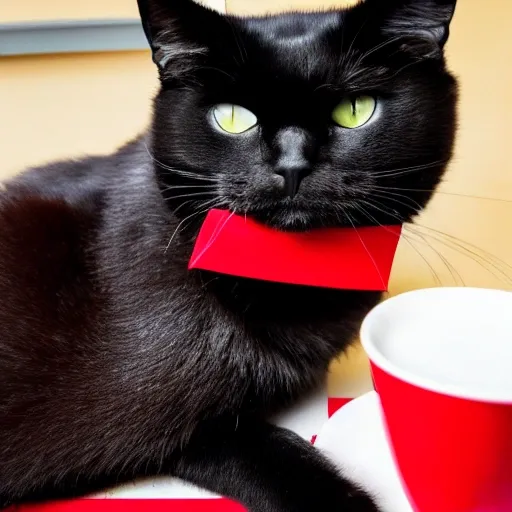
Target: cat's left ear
[178, 32]
[425, 21]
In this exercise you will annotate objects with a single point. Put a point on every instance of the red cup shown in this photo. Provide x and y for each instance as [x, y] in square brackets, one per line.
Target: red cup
[441, 361]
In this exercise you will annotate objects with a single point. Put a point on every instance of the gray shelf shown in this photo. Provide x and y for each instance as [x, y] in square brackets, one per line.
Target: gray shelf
[32, 38]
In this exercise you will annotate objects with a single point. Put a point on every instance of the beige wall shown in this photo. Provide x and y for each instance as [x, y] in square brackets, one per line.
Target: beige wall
[55, 106]
[58, 106]
[23, 10]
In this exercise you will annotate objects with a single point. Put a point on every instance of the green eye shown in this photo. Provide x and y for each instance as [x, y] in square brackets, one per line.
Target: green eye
[354, 112]
[234, 118]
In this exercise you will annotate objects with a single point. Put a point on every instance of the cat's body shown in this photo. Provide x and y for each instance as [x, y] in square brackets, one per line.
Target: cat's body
[117, 361]
[213, 345]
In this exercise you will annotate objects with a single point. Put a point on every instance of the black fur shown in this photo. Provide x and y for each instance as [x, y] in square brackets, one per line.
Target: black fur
[116, 362]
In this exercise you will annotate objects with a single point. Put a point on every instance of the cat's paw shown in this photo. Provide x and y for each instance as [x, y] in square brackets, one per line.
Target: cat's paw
[347, 498]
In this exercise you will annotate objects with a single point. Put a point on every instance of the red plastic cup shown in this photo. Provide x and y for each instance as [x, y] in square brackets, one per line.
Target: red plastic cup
[442, 364]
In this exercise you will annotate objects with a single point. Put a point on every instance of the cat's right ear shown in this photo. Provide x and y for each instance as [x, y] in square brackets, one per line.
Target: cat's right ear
[422, 24]
[178, 32]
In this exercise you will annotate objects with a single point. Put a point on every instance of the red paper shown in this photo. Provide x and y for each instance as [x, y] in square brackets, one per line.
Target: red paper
[134, 505]
[344, 258]
[335, 404]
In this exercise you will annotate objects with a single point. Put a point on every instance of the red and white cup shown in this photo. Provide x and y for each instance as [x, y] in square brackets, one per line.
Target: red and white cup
[441, 361]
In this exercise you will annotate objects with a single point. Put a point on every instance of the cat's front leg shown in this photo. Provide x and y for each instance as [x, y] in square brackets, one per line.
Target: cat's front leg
[268, 469]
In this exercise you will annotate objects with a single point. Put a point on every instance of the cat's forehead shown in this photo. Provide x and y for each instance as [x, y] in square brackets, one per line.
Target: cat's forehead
[298, 47]
[294, 29]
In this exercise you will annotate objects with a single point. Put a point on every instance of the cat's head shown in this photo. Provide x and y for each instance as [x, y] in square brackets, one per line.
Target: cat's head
[303, 119]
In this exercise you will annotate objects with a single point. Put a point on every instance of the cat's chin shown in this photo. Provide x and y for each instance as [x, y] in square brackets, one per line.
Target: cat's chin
[295, 221]
[300, 221]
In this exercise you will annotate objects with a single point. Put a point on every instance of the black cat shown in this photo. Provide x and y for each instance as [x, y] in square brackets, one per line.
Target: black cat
[116, 362]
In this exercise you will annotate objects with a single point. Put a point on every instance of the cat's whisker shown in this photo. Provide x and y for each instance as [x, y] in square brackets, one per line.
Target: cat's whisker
[391, 195]
[195, 194]
[492, 264]
[239, 42]
[435, 275]
[216, 233]
[486, 260]
[191, 175]
[205, 210]
[381, 208]
[403, 68]
[457, 278]
[458, 240]
[367, 214]
[437, 279]
[188, 174]
[210, 202]
[404, 170]
[344, 56]
[379, 46]
[342, 45]
[397, 201]
[357, 64]
[437, 191]
[366, 249]
[185, 203]
[177, 187]
[388, 173]
[221, 71]
[410, 168]
[489, 267]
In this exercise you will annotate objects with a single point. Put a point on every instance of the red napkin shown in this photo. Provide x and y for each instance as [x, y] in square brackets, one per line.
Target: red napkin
[344, 258]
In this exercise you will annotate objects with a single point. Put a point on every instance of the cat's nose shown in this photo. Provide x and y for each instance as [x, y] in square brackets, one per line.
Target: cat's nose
[293, 175]
[293, 150]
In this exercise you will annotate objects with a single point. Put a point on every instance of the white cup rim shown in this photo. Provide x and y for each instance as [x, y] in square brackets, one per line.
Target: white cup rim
[368, 341]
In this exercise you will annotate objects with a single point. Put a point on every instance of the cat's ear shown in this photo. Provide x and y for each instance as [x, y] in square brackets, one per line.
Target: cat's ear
[425, 23]
[178, 32]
